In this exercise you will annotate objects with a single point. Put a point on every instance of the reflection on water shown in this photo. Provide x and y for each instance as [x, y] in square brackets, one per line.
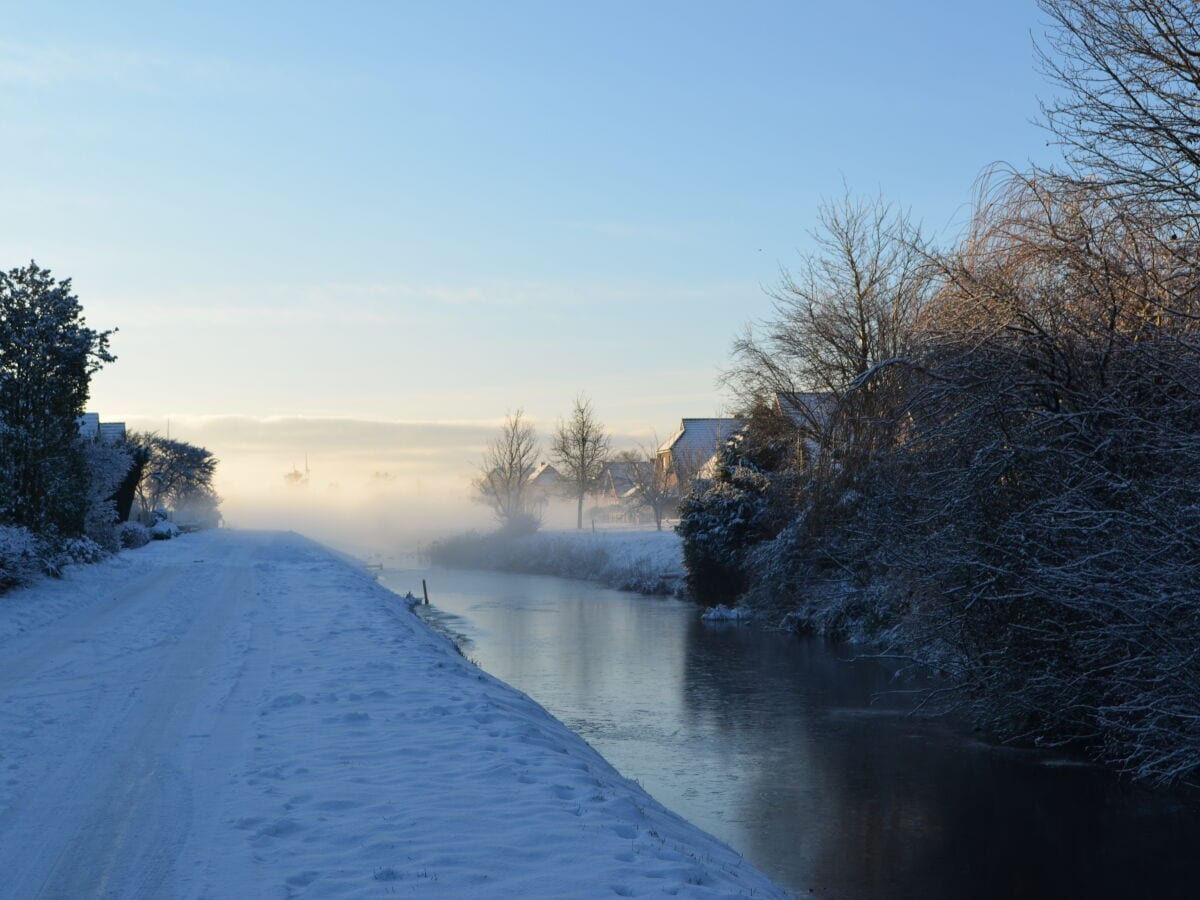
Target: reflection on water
[785, 751]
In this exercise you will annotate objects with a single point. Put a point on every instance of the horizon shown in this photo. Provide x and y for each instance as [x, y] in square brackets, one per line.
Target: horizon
[403, 217]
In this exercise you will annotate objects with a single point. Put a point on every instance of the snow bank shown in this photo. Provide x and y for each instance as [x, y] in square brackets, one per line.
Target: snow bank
[722, 613]
[247, 715]
[649, 562]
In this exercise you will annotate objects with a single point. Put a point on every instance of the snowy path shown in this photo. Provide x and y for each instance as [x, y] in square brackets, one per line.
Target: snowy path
[246, 715]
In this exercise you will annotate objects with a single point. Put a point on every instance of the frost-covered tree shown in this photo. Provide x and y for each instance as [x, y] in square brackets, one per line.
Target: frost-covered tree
[47, 358]
[1045, 477]
[176, 475]
[1008, 488]
[503, 480]
[108, 467]
[720, 519]
[580, 448]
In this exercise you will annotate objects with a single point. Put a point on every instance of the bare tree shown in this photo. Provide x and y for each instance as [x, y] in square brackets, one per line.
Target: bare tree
[850, 306]
[580, 449]
[503, 481]
[1130, 112]
[652, 485]
[1045, 479]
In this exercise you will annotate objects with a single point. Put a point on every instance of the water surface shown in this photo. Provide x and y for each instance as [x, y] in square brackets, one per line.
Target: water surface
[805, 760]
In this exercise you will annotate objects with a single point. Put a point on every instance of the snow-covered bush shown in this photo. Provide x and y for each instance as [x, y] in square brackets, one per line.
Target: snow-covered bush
[107, 464]
[19, 556]
[164, 530]
[79, 551]
[133, 535]
[68, 552]
[1011, 495]
[720, 519]
[521, 524]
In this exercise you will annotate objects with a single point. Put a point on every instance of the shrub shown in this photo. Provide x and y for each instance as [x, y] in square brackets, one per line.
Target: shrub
[719, 521]
[163, 530]
[79, 551]
[19, 556]
[133, 535]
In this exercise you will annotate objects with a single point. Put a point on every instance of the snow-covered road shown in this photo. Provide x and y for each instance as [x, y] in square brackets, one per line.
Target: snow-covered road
[248, 715]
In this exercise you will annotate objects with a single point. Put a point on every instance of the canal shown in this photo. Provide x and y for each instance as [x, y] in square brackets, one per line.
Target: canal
[805, 758]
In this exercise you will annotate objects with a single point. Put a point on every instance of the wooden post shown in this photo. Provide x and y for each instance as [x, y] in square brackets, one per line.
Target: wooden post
[425, 591]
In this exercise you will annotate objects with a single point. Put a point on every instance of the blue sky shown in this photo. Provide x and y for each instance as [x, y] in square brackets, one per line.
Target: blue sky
[441, 211]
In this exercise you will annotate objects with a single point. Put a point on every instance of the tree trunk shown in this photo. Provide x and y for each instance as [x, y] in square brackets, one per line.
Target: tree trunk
[579, 520]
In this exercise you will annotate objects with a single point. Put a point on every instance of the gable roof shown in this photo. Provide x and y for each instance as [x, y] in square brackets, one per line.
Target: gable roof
[620, 475]
[544, 473]
[699, 439]
[808, 409]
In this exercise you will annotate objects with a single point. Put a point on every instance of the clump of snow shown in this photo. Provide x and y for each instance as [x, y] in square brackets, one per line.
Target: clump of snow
[723, 613]
[321, 738]
[641, 560]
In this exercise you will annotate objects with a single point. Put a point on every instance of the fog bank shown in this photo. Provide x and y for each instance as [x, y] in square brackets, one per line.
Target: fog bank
[357, 484]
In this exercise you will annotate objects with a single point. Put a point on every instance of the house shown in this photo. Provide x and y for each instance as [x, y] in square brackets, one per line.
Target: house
[543, 483]
[112, 432]
[686, 452]
[618, 479]
[97, 432]
[89, 426]
[811, 412]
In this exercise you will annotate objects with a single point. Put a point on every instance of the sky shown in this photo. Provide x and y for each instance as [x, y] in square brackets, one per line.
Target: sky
[366, 231]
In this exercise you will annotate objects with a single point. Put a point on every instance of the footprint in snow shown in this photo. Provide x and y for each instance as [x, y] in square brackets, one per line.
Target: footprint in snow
[280, 828]
[283, 701]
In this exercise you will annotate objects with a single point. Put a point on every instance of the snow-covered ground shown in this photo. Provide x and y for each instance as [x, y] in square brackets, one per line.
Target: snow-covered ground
[635, 559]
[250, 715]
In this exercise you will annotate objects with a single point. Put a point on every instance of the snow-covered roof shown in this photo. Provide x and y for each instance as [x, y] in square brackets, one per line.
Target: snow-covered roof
[544, 473]
[698, 439]
[808, 409]
[620, 475]
[92, 429]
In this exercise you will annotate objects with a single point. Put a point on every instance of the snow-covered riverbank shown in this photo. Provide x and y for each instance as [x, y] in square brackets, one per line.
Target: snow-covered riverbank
[248, 715]
[648, 562]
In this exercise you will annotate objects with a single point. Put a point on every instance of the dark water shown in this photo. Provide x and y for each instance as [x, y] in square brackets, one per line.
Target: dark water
[784, 748]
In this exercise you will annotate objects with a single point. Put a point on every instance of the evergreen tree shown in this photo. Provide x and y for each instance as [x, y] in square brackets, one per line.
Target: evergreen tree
[47, 358]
